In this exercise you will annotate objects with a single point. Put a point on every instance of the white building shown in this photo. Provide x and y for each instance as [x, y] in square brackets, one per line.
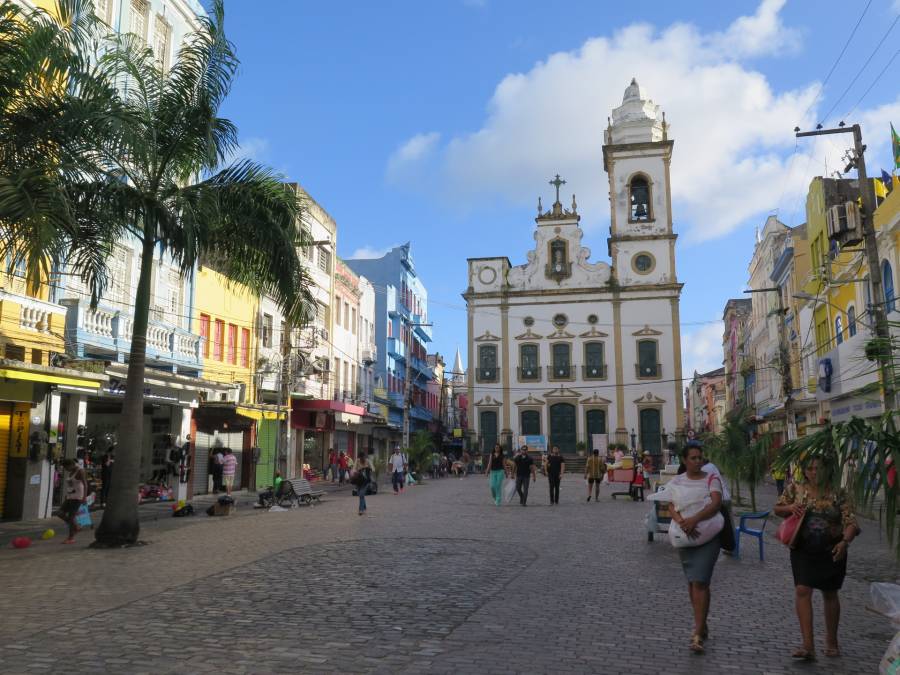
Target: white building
[580, 351]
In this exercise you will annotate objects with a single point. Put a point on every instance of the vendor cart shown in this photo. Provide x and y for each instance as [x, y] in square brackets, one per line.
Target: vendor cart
[660, 515]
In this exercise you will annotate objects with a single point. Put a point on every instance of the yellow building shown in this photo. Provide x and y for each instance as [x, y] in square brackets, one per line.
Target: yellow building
[225, 319]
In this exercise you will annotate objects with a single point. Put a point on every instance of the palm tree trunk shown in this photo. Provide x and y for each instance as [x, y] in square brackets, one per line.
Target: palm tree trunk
[120, 525]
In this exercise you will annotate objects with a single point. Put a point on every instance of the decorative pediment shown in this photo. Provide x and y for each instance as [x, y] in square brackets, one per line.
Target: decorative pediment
[649, 397]
[562, 392]
[529, 335]
[595, 399]
[489, 401]
[594, 333]
[487, 336]
[530, 400]
[561, 334]
[646, 331]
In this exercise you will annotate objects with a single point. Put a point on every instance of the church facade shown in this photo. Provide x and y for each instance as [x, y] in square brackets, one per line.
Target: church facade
[575, 351]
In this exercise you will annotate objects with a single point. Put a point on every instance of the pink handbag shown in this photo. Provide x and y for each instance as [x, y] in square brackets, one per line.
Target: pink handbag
[787, 531]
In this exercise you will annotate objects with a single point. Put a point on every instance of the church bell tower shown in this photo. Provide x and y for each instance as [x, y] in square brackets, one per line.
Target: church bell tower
[636, 155]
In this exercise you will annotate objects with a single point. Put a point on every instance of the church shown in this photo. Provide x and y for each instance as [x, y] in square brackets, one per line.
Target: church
[580, 354]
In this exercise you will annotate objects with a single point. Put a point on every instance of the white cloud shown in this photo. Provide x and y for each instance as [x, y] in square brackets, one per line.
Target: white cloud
[896, 6]
[369, 252]
[733, 133]
[701, 349]
[253, 148]
[412, 152]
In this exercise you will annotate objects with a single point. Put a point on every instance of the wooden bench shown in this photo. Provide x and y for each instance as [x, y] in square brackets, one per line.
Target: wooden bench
[298, 490]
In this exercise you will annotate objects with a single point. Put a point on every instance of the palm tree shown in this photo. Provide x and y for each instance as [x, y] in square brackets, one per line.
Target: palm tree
[152, 167]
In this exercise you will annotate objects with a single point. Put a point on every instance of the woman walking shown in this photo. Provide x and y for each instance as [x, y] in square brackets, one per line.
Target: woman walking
[363, 478]
[819, 558]
[496, 473]
[594, 469]
[698, 561]
[75, 486]
[554, 467]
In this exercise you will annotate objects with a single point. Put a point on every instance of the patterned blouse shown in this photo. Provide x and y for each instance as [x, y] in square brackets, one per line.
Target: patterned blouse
[827, 516]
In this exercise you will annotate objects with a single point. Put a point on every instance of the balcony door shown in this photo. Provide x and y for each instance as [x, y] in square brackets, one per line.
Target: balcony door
[488, 428]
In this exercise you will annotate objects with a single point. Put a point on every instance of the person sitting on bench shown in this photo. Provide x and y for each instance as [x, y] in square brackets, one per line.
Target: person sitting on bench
[267, 497]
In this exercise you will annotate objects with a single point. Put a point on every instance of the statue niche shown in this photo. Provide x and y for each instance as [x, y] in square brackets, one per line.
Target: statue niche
[559, 266]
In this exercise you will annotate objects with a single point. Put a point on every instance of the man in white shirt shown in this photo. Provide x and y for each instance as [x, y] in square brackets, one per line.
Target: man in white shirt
[397, 464]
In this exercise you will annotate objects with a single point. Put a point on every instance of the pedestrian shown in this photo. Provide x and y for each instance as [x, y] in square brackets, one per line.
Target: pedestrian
[819, 558]
[106, 467]
[711, 468]
[466, 461]
[554, 467]
[229, 465]
[217, 457]
[269, 496]
[524, 468]
[397, 464]
[778, 475]
[362, 478]
[594, 469]
[496, 473]
[343, 467]
[74, 495]
[698, 562]
[332, 464]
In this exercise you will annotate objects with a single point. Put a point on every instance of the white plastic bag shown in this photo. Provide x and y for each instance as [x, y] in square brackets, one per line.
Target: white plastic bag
[686, 503]
[706, 530]
[509, 490]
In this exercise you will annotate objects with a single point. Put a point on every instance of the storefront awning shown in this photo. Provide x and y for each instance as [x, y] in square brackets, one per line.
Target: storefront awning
[40, 376]
[260, 414]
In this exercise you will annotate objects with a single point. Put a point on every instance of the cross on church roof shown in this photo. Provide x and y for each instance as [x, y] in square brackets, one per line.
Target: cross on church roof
[557, 183]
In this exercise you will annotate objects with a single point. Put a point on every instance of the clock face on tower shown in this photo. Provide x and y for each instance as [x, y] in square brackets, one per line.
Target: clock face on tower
[643, 263]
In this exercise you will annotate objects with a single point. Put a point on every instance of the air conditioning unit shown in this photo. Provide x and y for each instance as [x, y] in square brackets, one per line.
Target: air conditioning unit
[844, 224]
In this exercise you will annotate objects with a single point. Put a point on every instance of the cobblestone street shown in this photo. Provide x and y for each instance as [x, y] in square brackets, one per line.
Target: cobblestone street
[437, 580]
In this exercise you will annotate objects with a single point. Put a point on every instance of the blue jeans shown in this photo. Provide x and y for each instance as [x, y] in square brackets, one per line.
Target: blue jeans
[497, 476]
[361, 491]
[333, 468]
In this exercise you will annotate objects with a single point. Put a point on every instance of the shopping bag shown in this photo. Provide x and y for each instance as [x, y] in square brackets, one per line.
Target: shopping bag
[83, 517]
[509, 490]
[706, 530]
[787, 531]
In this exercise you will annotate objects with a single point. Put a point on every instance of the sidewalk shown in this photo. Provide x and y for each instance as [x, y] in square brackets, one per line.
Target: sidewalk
[150, 512]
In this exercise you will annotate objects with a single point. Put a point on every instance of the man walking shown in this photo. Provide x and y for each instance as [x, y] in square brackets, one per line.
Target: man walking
[332, 465]
[524, 469]
[554, 467]
[594, 469]
[229, 467]
[397, 464]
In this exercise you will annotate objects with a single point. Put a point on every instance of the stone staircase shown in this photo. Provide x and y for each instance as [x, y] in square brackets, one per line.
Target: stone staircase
[575, 464]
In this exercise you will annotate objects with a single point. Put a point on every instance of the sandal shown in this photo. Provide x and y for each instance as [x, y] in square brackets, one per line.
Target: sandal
[803, 654]
[696, 645]
[832, 652]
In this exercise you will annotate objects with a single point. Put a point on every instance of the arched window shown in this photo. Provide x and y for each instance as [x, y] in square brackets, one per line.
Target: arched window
[839, 329]
[887, 280]
[851, 320]
[639, 194]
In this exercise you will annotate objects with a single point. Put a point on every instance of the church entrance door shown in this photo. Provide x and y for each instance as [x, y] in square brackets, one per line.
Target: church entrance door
[562, 427]
[651, 440]
[488, 430]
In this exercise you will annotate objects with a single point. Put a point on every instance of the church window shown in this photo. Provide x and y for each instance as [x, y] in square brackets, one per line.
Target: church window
[487, 363]
[648, 359]
[639, 199]
[558, 266]
[560, 320]
[528, 362]
[593, 361]
[562, 361]
[839, 329]
[851, 320]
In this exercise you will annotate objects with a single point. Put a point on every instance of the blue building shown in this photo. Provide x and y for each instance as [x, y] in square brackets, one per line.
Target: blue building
[401, 312]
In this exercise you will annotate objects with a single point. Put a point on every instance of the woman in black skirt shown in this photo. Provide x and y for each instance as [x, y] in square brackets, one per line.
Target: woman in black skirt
[819, 558]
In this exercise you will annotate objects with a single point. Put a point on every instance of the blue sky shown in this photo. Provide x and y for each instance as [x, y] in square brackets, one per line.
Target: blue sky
[441, 122]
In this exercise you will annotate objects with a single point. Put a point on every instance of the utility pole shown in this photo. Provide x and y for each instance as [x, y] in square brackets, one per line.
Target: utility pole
[284, 399]
[784, 365]
[882, 330]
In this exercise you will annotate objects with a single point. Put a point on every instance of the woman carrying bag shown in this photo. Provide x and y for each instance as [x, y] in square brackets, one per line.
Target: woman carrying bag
[698, 561]
[360, 479]
[825, 526]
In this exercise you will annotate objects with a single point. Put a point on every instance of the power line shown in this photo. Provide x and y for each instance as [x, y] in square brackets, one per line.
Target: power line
[874, 82]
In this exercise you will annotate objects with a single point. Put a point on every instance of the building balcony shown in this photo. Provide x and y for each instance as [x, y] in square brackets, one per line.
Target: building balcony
[594, 372]
[422, 368]
[648, 371]
[396, 399]
[491, 374]
[396, 348]
[33, 323]
[369, 354]
[418, 412]
[421, 330]
[529, 373]
[560, 371]
[107, 330]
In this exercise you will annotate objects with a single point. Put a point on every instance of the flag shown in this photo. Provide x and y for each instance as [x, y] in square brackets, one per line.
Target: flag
[887, 180]
[880, 188]
[895, 145]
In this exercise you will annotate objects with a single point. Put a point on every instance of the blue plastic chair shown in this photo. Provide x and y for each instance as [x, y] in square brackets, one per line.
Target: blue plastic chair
[753, 532]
